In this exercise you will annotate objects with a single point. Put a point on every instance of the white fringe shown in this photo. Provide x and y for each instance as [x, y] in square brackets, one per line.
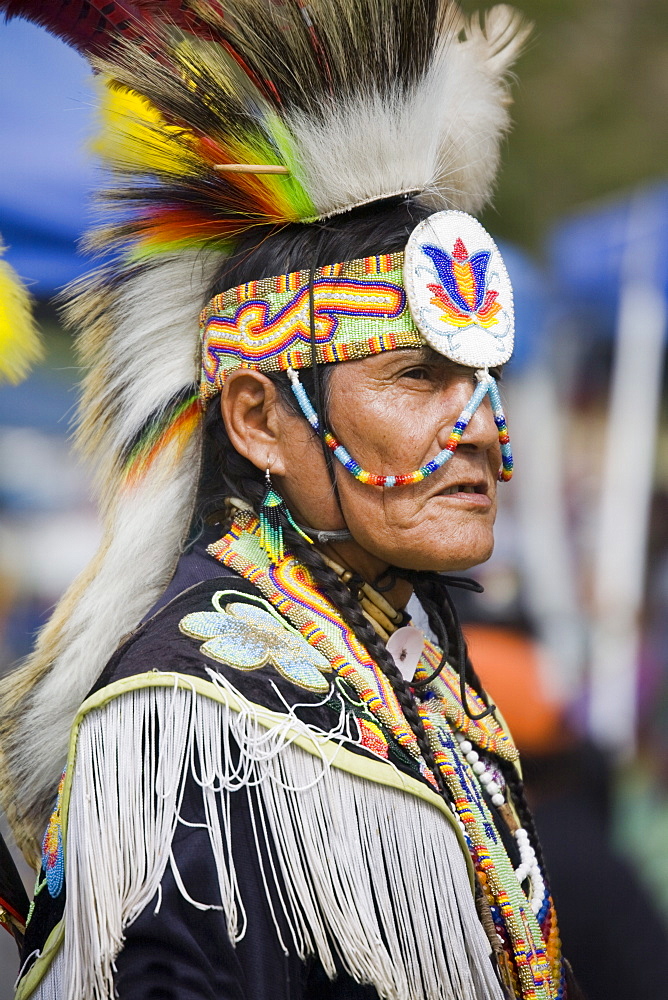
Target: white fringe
[334, 837]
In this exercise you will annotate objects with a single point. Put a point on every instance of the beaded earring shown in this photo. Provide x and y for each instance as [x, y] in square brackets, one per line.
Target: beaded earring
[272, 511]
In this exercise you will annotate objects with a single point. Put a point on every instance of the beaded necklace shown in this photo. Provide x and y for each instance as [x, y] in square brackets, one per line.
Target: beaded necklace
[376, 609]
[385, 620]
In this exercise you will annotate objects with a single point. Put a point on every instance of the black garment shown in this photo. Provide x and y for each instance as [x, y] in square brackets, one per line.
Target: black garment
[174, 950]
[177, 949]
[180, 952]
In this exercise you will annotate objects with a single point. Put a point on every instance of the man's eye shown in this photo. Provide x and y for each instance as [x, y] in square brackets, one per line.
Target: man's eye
[417, 373]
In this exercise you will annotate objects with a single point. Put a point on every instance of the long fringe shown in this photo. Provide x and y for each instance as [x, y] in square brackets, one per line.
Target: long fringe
[52, 984]
[367, 873]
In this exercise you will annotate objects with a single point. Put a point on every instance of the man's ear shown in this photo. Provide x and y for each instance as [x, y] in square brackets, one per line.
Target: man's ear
[249, 407]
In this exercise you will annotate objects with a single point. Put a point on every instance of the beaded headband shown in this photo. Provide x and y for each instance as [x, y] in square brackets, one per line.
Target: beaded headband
[449, 290]
[360, 308]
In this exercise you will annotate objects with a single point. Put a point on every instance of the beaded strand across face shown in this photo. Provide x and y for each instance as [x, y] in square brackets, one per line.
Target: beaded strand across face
[486, 386]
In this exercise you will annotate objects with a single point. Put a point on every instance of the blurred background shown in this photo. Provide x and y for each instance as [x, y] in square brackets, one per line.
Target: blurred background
[571, 635]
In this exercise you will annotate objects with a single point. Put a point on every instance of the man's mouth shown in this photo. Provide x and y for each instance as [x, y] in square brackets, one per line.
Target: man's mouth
[478, 488]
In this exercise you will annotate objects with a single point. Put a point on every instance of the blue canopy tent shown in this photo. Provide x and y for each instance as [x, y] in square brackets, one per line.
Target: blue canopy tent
[45, 173]
[590, 252]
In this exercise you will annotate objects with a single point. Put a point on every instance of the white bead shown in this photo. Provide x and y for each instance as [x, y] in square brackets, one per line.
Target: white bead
[521, 834]
[479, 768]
[466, 747]
[493, 787]
[521, 873]
[472, 757]
[498, 799]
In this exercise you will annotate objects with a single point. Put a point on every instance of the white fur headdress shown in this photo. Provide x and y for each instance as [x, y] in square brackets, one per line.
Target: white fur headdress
[353, 101]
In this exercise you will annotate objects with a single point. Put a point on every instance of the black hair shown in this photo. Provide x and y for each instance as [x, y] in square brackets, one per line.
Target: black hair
[379, 228]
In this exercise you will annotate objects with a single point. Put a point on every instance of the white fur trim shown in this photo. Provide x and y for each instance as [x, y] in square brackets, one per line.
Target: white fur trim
[153, 350]
[152, 353]
[440, 138]
[144, 538]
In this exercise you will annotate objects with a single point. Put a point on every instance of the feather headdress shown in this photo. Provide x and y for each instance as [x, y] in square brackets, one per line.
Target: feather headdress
[348, 102]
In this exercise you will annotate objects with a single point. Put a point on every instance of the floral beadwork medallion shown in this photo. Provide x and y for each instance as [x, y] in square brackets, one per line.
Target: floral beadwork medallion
[459, 291]
[248, 637]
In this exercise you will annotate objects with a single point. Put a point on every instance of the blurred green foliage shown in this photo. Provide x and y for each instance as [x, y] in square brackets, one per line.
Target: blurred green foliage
[591, 110]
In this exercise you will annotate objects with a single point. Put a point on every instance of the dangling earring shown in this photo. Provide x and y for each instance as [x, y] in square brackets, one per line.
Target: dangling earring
[272, 510]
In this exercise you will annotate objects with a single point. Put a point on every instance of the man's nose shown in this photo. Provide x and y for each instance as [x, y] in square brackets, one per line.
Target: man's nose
[481, 432]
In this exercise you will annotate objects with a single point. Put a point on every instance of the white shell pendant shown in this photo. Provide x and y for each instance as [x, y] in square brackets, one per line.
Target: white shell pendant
[405, 647]
[459, 292]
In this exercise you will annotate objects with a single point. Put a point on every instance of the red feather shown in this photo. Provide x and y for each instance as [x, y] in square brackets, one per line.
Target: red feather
[92, 26]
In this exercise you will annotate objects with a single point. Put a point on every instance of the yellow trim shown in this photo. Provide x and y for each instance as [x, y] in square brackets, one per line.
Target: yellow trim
[381, 772]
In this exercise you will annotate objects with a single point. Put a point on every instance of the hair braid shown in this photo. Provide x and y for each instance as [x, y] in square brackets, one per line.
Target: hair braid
[350, 610]
[431, 592]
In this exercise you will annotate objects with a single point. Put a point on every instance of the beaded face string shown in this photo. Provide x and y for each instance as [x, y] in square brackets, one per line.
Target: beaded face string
[487, 386]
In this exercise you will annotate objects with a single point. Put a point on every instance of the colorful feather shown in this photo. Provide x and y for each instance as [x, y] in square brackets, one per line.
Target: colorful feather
[351, 110]
[19, 340]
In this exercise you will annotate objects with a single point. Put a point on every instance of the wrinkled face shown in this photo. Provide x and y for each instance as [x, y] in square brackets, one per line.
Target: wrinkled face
[394, 412]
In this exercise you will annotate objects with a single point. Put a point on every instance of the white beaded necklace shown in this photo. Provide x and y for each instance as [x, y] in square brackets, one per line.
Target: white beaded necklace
[528, 867]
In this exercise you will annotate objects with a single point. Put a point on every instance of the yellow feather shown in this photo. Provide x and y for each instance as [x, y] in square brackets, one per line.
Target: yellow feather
[134, 136]
[19, 340]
